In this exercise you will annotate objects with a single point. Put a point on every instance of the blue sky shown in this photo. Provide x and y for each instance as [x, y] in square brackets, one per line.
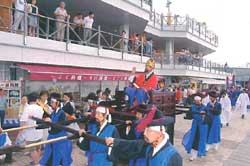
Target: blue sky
[229, 19]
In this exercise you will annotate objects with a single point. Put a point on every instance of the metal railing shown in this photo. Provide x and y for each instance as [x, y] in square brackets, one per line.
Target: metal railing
[145, 4]
[185, 24]
[66, 31]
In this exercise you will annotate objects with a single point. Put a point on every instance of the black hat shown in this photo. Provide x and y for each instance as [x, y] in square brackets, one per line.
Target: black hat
[213, 94]
[91, 96]
[32, 97]
[55, 96]
[161, 122]
[142, 108]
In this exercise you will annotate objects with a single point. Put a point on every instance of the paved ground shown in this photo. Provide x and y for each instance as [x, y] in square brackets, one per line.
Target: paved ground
[234, 149]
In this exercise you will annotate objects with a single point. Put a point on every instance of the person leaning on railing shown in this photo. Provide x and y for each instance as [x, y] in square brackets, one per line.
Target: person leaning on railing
[61, 14]
[20, 6]
[33, 21]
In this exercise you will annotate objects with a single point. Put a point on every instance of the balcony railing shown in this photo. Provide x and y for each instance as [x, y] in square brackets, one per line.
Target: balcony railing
[184, 24]
[102, 40]
[145, 4]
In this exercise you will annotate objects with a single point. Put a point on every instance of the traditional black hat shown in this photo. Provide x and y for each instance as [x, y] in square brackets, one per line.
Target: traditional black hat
[213, 94]
[91, 96]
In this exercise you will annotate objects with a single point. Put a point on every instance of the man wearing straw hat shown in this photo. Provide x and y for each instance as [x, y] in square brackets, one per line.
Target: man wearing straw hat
[97, 153]
[143, 83]
[155, 147]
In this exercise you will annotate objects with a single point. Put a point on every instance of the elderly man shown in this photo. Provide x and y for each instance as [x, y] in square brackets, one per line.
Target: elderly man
[142, 84]
[96, 152]
[155, 147]
[61, 15]
[194, 140]
[242, 102]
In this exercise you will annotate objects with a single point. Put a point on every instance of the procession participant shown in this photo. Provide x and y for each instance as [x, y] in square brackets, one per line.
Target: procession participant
[32, 135]
[242, 102]
[194, 140]
[226, 109]
[205, 99]
[67, 106]
[97, 153]
[155, 147]
[5, 141]
[58, 153]
[133, 131]
[68, 109]
[232, 96]
[143, 83]
[214, 128]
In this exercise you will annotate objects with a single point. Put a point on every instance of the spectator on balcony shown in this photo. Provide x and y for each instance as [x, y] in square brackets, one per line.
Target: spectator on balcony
[33, 22]
[78, 24]
[143, 40]
[131, 43]
[20, 6]
[149, 47]
[124, 42]
[61, 14]
[88, 23]
[137, 43]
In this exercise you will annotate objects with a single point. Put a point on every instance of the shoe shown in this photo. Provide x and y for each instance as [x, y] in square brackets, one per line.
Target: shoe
[216, 147]
[207, 148]
[242, 116]
[227, 124]
[191, 158]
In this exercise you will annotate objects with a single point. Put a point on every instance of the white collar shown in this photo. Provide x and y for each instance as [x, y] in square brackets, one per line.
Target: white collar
[57, 109]
[148, 74]
[163, 142]
[101, 128]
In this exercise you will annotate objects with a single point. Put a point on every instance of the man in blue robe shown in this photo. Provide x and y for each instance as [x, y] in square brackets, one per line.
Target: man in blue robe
[98, 153]
[214, 129]
[194, 140]
[155, 147]
[5, 141]
[58, 153]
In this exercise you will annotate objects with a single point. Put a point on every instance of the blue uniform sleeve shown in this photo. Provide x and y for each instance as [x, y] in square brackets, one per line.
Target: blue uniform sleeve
[175, 160]
[197, 116]
[128, 149]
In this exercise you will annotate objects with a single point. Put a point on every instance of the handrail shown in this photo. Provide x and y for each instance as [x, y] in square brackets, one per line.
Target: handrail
[106, 40]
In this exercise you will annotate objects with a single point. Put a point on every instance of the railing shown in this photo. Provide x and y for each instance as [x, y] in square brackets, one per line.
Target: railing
[185, 24]
[145, 4]
[50, 28]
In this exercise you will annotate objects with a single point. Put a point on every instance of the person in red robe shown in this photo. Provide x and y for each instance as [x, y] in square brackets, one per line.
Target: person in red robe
[142, 84]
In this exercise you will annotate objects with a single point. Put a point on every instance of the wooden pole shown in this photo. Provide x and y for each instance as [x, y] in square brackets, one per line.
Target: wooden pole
[50, 141]
[19, 128]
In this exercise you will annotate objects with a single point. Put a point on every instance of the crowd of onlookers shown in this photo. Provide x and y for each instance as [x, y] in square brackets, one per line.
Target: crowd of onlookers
[82, 27]
[186, 57]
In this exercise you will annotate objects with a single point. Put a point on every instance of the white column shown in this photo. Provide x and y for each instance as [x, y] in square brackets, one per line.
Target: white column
[169, 51]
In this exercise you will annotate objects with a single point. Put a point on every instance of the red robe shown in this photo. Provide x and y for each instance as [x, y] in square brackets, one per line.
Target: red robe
[149, 84]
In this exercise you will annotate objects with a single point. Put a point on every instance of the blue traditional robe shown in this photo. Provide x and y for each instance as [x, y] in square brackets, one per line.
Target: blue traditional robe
[98, 153]
[58, 153]
[215, 126]
[130, 149]
[196, 137]
[135, 135]
[140, 95]
[166, 156]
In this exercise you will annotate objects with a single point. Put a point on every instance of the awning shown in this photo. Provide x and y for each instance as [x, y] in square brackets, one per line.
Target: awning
[59, 73]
